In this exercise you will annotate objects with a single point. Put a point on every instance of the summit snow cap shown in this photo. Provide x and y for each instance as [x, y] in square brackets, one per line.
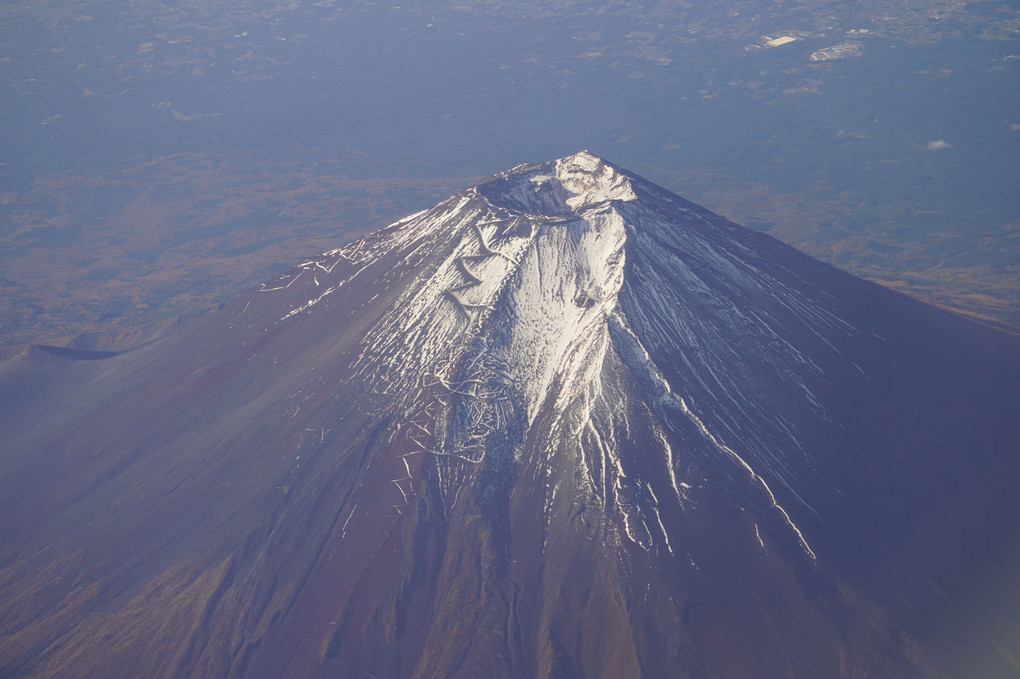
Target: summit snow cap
[591, 180]
[528, 263]
[560, 187]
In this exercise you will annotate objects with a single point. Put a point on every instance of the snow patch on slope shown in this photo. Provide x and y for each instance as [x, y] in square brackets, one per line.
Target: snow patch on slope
[636, 356]
[565, 286]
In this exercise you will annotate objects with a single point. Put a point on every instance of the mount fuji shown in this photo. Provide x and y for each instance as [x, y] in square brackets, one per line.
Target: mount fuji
[563, 424]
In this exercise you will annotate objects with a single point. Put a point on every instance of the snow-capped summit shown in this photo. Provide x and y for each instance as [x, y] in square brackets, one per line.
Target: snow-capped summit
[567, 185]
[562, 424]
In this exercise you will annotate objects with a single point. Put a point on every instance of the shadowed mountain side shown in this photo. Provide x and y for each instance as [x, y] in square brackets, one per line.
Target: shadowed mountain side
[564, 424]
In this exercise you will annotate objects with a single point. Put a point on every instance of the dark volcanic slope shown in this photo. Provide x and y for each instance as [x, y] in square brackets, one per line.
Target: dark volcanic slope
[563, 424]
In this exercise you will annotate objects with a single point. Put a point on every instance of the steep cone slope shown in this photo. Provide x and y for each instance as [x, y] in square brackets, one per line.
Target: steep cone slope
[563, 424]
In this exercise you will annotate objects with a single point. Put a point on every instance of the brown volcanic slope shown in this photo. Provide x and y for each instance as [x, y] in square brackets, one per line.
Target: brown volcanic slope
[563, 424]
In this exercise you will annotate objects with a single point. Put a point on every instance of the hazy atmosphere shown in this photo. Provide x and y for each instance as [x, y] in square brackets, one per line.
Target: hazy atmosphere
[156, 157]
